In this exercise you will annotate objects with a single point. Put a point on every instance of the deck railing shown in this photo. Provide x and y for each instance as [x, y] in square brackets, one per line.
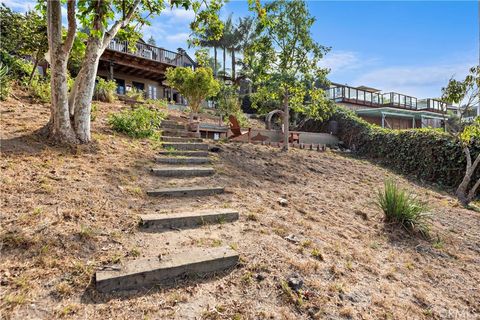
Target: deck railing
[150, 52]
[348, 94]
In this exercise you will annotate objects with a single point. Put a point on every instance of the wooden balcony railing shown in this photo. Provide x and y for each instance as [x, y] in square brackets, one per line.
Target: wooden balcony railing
[150, 52]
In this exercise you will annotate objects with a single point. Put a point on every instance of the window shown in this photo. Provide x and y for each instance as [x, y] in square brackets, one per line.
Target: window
[152, 92]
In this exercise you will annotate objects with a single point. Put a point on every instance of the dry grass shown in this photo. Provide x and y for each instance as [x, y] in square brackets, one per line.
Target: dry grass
[66, 212]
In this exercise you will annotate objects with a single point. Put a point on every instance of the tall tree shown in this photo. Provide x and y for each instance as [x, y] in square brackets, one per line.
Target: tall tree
[467, 95]
[151, 41]
[284, 59]
[70, 113]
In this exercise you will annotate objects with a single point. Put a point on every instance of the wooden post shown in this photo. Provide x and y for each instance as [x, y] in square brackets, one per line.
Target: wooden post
[110, 74]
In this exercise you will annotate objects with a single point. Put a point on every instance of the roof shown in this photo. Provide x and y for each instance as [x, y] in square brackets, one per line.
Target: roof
[417, 114]
[369, 89]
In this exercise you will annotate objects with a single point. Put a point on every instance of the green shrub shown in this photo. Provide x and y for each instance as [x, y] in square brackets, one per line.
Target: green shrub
[105, 90]
[135, 94]
[93, 112]
[402, 207]
[428, 154]
[5, 82]
[19, 68]
[40, 90]
[140, 122]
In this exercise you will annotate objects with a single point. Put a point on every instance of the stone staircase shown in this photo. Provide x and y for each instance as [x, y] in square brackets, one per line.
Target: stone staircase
[182, 158]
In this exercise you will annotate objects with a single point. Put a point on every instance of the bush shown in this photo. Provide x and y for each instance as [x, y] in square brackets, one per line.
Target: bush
[428, 154]
[135, 94]
[19, 68]
[40, 90]
[140, 122]
[403, 208]
[105, 90]
[5, 82]
[93, 112]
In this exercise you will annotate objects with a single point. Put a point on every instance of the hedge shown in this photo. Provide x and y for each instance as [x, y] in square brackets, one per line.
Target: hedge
[429, 154]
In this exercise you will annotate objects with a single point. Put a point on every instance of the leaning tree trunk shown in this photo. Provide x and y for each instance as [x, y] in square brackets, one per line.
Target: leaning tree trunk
[462, 193]
[233, 65]
[224, 64]
[82, 92]
[286, 121]
[59, 127]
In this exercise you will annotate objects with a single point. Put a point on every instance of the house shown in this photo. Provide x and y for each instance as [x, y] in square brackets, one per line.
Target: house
[143, 68]
[391, 109]
[466, 115]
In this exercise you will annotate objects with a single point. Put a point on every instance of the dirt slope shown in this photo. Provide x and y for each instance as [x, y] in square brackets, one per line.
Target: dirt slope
[66, 212]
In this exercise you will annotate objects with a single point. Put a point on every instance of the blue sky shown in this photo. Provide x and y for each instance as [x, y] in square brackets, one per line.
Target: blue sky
[411, 47]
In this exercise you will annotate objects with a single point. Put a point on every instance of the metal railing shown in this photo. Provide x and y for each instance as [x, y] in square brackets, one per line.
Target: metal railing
[348, 94]
[150, 52]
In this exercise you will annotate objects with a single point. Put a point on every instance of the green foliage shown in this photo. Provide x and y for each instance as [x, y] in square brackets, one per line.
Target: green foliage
[403, 207]
[40, 90]
[228, 103]
[428, 154]
[105, 90]
[23, 34]
[135, 94]
[5, 82]
[195, 85]
[93, 112]
[140, 122]
[18, 67]
[284, 60]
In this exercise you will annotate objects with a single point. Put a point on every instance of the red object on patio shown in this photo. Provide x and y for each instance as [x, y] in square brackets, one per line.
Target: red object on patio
[235, 128]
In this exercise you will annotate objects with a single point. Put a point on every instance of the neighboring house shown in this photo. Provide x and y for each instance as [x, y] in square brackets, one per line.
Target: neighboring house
[143, 69]
[389, 110]
[469, 115]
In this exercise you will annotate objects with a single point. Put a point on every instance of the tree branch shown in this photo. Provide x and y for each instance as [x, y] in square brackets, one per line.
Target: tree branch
[473, 191]
[72, 26]
[468, 156]
[120, 24]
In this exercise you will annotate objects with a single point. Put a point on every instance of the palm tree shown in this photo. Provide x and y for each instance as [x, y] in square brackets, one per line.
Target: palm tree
[243, 35]
[205, 41]
[226, 40]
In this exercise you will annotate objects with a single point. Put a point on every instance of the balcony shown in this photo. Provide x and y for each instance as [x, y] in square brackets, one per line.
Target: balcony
[398, 100]
[432, 105]
[356, 96]
[352, 95]
[151, 53]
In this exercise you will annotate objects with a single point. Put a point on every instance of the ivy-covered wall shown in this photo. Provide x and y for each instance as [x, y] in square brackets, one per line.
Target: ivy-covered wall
[429, 154]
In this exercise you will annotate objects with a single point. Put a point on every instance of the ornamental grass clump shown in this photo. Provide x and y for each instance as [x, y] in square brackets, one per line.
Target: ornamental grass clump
[403, 208]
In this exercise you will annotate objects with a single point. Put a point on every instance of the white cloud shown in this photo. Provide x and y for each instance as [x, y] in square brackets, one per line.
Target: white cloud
[179, 14]
[178, 37]
[19, 5]
[421, 81]
[340, 60]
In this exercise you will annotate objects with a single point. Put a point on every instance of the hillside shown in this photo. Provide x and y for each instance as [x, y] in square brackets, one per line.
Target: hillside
[68, 211]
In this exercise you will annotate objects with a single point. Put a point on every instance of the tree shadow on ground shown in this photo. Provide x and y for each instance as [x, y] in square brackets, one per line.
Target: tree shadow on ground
[36, 143]
[92, 296]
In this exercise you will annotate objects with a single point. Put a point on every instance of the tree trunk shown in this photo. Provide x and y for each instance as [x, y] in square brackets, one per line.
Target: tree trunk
[462, 193]
[224, 64]
[215, 61]
[59, 127]
[286, 121]
[34, 67]
[81, 96]
[233, 65]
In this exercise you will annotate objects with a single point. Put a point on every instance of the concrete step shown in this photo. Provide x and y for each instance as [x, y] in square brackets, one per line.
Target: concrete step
[183, 171]
[178, 133]
[179, 160]
[187, 219]
[186, 146]
[184, 153]
[167, 124]
[186, 191]
[180, 139]
[149, 272]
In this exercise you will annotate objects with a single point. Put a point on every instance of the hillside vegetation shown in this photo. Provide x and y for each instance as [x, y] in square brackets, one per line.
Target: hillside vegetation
[69, 211]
